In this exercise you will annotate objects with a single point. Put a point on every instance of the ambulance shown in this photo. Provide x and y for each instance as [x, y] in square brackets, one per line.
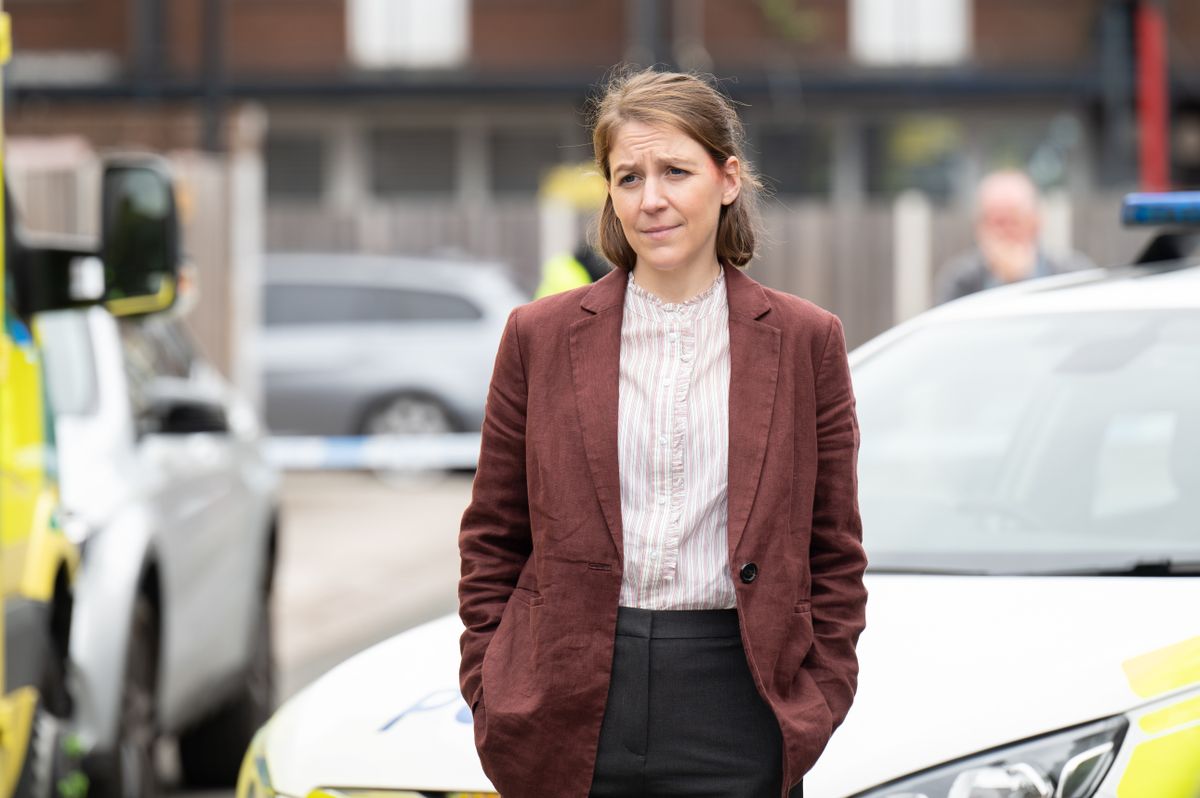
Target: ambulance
[132, 272]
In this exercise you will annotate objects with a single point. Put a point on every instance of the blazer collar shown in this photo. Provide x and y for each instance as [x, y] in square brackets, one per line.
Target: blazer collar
[754, 350]
[746, 297]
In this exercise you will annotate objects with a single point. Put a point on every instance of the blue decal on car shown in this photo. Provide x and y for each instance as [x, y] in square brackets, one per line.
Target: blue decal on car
[438, 699]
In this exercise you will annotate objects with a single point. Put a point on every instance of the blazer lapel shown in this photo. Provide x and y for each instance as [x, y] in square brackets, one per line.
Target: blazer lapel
[754, 348]
[595, 343]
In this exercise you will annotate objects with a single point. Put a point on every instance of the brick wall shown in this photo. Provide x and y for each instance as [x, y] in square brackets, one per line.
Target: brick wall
[72, 25]
[1034, 33]
[739, 33]
[584, 35]
[302, 37]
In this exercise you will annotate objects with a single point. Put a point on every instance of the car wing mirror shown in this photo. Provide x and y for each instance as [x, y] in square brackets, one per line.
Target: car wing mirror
[175, 407]
[139, 235]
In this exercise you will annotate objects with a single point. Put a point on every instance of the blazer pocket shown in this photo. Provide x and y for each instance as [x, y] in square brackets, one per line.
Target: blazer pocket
[533, 601]
[527, 596]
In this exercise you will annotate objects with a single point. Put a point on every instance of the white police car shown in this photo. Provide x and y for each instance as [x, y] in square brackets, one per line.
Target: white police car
[1030, 490]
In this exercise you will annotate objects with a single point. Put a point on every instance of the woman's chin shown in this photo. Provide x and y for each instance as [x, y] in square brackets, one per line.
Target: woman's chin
[660, 260]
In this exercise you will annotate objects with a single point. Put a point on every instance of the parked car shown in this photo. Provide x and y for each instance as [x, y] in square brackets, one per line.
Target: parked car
[159, 462]
[1030, 489]
[363, 345]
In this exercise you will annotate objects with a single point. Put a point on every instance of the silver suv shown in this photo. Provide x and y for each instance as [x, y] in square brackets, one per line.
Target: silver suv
[160, 467]
[361, 344]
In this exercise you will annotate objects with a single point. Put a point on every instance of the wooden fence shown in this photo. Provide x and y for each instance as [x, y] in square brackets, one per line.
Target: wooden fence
[841, 257]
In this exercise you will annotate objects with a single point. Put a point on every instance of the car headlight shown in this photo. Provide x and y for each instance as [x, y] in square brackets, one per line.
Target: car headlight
[327, 793]
[1066, 764]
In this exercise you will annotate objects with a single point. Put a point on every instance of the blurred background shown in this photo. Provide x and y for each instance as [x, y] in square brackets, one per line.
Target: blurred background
[420, 146]
[413, 127]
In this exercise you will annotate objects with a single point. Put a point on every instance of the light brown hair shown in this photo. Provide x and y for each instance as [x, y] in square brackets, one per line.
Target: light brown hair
[691, 104]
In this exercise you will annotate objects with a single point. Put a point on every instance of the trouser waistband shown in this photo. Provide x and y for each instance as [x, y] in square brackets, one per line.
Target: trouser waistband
[660, 624]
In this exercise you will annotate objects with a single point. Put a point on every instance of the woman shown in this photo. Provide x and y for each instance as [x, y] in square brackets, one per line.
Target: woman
[661, 562]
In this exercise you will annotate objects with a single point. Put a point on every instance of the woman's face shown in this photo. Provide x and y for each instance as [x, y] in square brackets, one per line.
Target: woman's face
[667, 192]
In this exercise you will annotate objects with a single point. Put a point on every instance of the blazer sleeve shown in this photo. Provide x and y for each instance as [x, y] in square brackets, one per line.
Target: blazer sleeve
[836, 555]
[494, 539]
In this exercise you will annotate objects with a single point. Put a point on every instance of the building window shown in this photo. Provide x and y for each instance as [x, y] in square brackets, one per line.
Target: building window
[924, 153]
[408, 33]
[521, 158]
[412, 162]
[295, 166]
[795, 162]
[928, 32]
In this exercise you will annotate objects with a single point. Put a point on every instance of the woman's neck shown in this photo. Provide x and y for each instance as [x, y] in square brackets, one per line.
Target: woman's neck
[678, 285]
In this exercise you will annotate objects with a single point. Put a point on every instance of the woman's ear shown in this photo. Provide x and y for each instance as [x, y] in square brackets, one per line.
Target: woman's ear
[732, 172]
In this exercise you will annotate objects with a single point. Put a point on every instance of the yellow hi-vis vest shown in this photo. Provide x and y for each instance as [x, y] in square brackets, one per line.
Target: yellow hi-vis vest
[561, 273]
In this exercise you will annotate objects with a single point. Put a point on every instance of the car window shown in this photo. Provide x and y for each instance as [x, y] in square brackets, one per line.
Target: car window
[332, 304]
[69, 363]
[153, 346]
[1053, 436]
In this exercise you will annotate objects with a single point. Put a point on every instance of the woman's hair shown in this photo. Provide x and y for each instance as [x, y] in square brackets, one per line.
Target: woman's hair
[690, 104]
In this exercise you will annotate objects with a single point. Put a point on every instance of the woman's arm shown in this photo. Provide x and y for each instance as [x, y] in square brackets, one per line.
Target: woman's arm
[494, 539]
[836, 555]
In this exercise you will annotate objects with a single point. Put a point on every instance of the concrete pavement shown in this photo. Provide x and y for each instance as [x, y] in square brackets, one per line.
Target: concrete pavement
[361, 559]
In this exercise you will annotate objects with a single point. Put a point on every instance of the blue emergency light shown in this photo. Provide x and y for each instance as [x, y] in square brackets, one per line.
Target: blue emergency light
[1166, 208]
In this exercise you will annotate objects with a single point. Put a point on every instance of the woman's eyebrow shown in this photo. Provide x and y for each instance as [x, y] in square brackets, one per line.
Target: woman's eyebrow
[625, 166]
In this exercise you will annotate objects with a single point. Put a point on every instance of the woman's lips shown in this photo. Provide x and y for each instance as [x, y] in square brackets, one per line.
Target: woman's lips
[661, 232]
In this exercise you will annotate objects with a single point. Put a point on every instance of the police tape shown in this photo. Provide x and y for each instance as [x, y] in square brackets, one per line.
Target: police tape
[374, 452]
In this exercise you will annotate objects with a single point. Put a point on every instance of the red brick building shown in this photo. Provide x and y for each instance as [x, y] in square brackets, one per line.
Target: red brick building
[488, 91]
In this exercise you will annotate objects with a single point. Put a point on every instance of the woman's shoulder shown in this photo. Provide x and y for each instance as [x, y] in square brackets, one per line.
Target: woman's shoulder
[797, 313]
[550, 314]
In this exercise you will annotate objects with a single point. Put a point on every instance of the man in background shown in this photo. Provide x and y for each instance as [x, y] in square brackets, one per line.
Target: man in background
[1007, 225]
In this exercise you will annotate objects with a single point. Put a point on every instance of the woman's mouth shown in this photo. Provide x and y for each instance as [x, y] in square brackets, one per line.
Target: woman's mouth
[660, 232]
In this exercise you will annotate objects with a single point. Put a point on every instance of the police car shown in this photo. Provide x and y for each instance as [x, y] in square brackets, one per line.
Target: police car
[1030, 491]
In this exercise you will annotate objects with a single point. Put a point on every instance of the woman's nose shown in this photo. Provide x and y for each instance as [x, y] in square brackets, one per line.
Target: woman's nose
[652, 195]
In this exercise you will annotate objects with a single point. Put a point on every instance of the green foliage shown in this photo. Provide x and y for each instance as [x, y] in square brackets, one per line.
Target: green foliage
[785, 19]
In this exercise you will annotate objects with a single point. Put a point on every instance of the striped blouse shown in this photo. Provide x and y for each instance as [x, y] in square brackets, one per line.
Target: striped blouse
[673, 438]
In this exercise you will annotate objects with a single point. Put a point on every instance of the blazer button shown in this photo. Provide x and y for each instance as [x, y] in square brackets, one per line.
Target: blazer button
[749, 572]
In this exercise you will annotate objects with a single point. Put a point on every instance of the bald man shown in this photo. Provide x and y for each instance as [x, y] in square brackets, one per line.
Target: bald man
[1007, 224]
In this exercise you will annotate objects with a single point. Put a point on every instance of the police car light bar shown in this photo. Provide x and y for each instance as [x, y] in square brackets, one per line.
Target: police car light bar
[1167, 208]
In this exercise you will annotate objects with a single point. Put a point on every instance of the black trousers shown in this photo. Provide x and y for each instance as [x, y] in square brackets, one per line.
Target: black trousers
[683, 716]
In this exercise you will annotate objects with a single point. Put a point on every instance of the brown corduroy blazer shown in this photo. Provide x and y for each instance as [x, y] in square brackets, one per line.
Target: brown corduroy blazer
[541, 540]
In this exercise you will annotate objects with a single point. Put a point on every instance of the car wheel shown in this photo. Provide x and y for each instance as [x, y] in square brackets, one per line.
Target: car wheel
[56, 697]
[211, 752]
[409, 415]
[129, 770]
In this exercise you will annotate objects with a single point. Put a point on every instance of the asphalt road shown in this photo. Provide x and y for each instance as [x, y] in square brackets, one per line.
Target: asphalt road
[361, 558]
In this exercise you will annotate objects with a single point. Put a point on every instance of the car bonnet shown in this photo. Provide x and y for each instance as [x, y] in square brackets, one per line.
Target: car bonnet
[391, 717]
[949, 666]
[954, 665]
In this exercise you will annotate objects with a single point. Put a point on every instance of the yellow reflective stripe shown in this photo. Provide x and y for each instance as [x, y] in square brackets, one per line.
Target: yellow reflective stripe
[139, 305]
[325, 792]
[1165, 767]
[16, 723]
[1172, 716]
[5, 37]
[1164, 670]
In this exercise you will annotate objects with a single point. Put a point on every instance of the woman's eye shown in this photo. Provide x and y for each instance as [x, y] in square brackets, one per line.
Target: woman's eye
[675, 170]
[625, 180]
